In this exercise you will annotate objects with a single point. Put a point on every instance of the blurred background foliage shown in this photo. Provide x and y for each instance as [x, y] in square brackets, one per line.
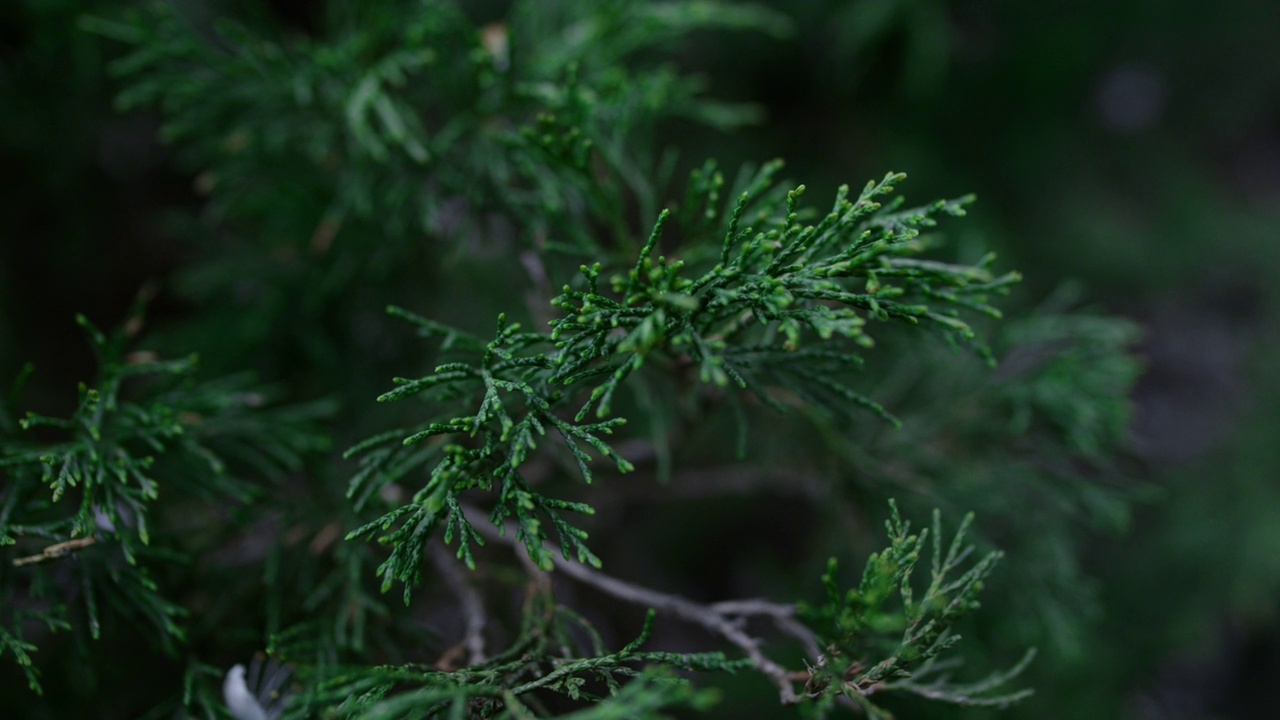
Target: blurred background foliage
[1126, 158]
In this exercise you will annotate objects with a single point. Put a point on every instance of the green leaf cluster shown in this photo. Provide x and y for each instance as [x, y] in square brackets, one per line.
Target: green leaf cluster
[782, 309]
[406, 152]
[82, 490]
[883, 618]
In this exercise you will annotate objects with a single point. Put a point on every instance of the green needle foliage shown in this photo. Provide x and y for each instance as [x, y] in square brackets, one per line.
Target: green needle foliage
[87, 485]
[468, 162]
[863, 623]
[783, 309]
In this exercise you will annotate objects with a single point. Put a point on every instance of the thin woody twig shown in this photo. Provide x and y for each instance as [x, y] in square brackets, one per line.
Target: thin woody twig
[782, 615]
[472, 606]
[717, 622]
[55, 551]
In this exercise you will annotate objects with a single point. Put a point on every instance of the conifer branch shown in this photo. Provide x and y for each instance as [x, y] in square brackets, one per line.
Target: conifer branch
[376, 152]
[775, 314]
[860, 624]
[712, 618]
[144, 433]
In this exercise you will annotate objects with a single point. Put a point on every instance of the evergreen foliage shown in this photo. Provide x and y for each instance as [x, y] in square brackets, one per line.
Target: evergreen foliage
[859, 624]
[738, 322]
[425, 155]
[89, 487]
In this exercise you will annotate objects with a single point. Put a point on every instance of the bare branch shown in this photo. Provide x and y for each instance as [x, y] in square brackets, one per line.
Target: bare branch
[717, 622]
[782, 615]
[55, 551]
[472, 605]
